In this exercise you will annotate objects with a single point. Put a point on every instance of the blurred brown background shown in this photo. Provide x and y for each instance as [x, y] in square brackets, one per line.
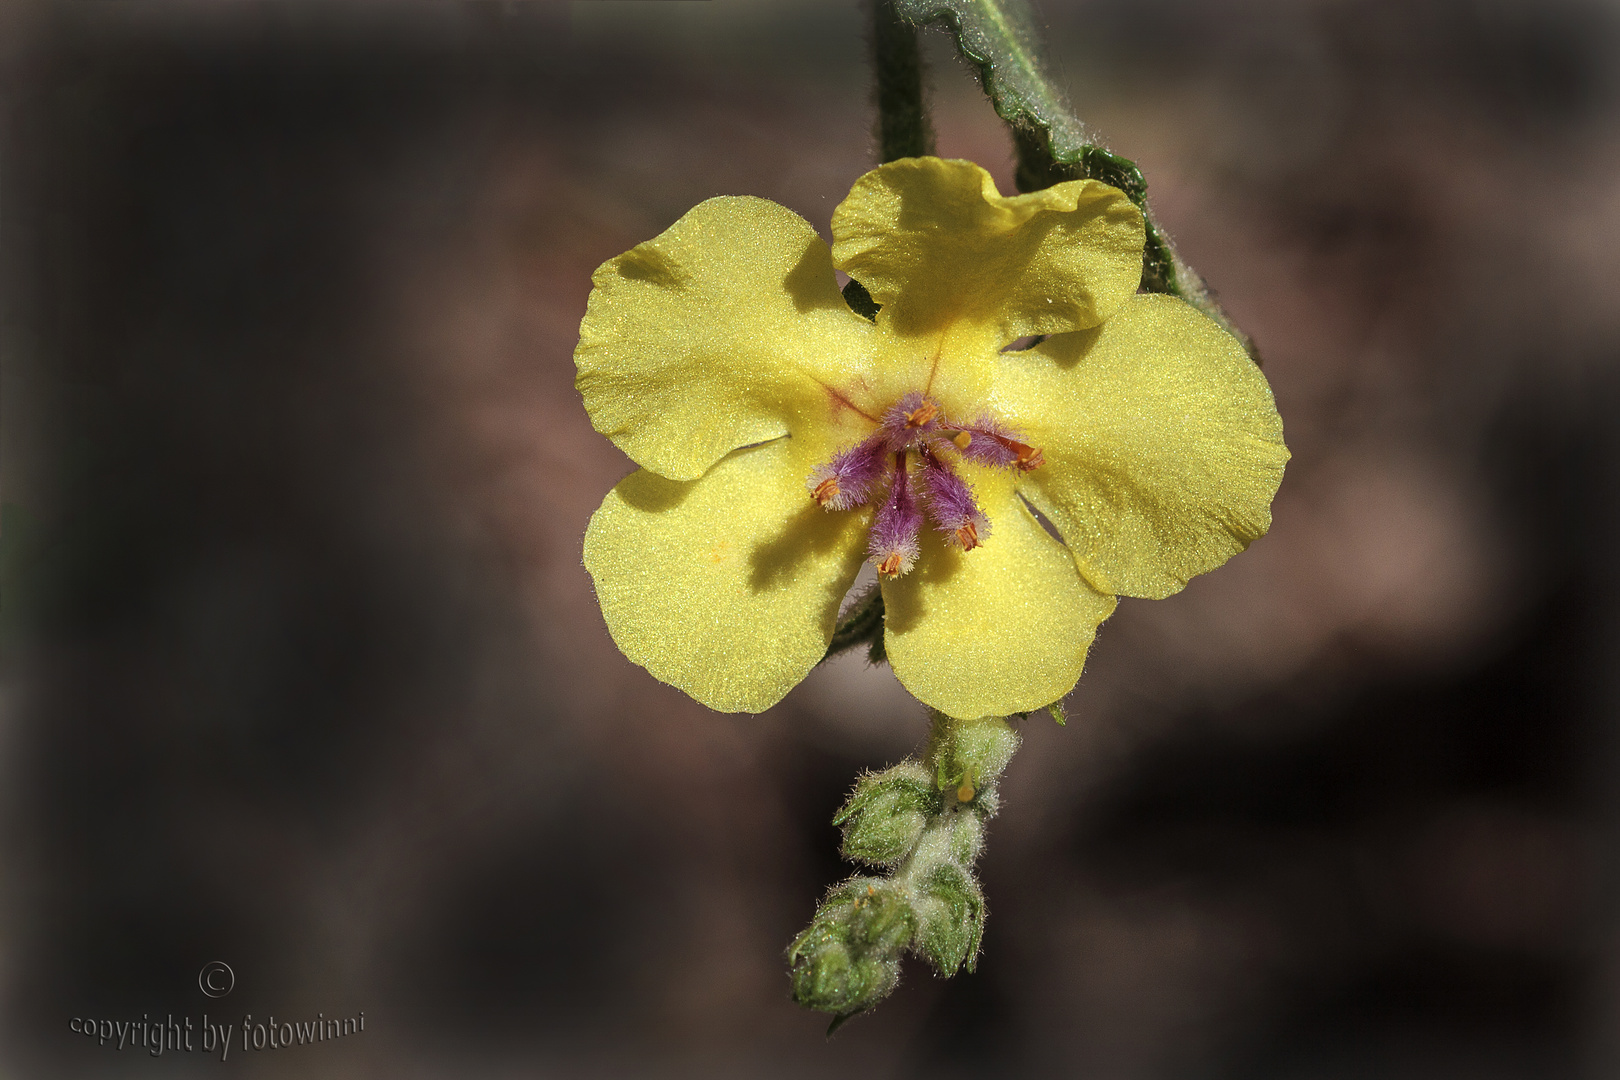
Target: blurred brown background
[301, 670]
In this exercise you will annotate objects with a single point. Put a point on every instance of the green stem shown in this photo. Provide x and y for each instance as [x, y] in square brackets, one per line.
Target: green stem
[903, 127]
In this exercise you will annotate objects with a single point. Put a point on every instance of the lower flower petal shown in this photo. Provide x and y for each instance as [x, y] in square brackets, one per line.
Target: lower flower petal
[1000, 629]
[727, 586]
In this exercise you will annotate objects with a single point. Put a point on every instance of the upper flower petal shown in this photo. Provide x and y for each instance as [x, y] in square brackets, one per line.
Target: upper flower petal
[1000, 629]
[726, 329]
[1163, 445]
[936, 245]
[727, 586]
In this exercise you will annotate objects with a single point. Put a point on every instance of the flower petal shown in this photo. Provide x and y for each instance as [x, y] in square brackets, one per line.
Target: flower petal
[936, 245]
[1000, 629]
[1163, 445]
[725, 330]
[727, 586]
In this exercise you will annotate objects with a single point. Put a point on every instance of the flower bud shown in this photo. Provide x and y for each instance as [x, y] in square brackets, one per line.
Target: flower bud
[950, 911]
[848, 958]
[887, 813]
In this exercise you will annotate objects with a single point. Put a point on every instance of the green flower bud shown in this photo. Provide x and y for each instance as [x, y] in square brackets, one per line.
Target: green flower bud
[950, 910]
[886, 814]
[872, 914]
[970, 755]
[963, 834]
[848, 958]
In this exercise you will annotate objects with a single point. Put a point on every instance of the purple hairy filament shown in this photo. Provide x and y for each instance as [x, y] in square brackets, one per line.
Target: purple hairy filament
[906, 465]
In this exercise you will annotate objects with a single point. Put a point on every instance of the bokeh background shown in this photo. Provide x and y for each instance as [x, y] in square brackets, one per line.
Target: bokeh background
[301, 671]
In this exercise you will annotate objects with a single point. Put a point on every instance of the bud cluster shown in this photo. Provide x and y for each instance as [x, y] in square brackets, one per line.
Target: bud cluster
[922, 821]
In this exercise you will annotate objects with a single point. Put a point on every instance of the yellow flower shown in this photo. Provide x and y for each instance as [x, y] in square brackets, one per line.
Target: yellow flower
[782, 438]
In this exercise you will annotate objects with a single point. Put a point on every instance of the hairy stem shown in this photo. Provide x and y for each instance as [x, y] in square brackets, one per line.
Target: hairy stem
[903, 127]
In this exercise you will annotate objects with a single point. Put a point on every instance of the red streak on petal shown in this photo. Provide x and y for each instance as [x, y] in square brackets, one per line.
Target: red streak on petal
[939, 350]
[839, 400]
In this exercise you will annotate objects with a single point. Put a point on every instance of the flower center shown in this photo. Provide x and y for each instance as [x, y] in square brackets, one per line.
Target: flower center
[909, 465]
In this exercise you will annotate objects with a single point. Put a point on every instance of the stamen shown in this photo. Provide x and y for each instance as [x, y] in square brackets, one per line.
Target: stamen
[893, 539]
[951, 504]
[915, 425]
[848, 480]
[913, 416]
[990, 443]
[1029, 457]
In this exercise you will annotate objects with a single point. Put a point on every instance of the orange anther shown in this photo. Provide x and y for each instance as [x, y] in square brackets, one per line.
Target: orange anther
[1029, 457]
[968, 536]
[890, 566]
[962, 439]
[922, 414]
[826, 491]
